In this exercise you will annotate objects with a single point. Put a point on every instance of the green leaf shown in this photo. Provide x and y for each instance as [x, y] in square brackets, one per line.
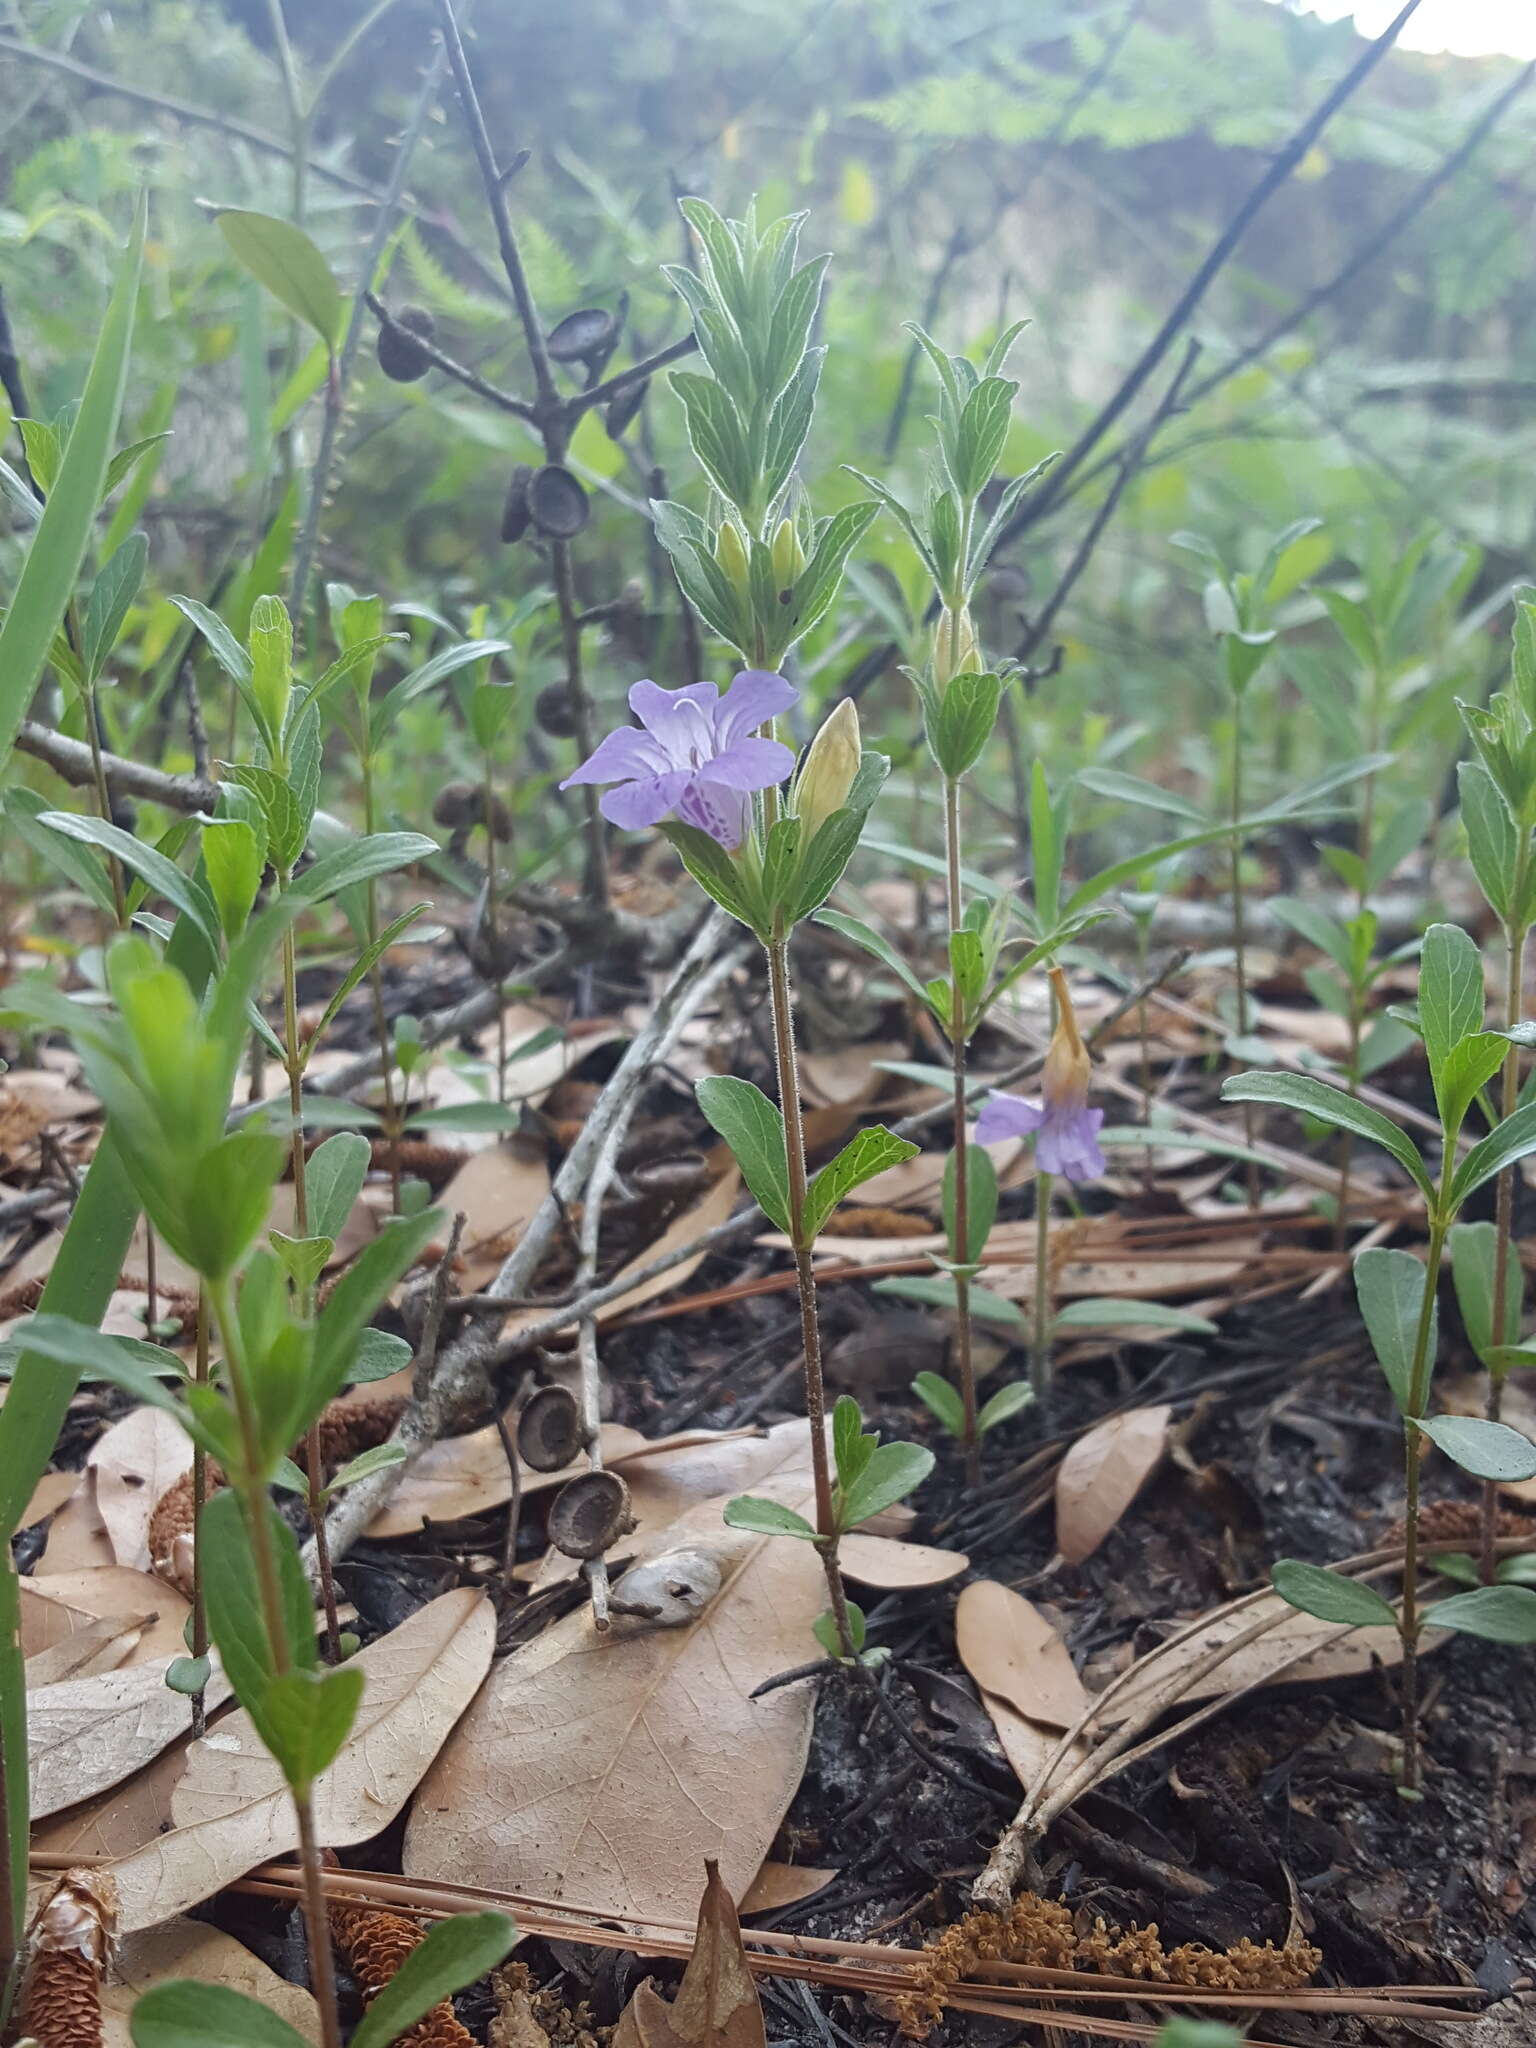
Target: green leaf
[869, 941]
[1499, 1614]
[47, 580]
[890, 1472]
[1464, 1072]
[850, 1446]
[379, 1459]
[983, 430]
[115, 588]
[186, 2014]
[868, 1153]
[1332, 1106]
[962, 722]
[1005, 1404]
[357, 1294]
[937, 1394]
[980, 1204]
[446, 663]
[333, 1180]
[1492, 839]
[188, 1674]
[234, 857]
[1474, 1253]
[1504, 1144]
[379, 1353]
[25, 811]
[1390, 1288]
[457, 1952]
[824, 1629]
[1329, 1595]
[1451, 995]
[1097, 1313]
[1488, 1450]
[360, 861]
[715, 872]
[284, 259]
[189, 895]
[467, 1116]
[937, 1290]
[304, 1258]
[309, 1715]
[753, 1128]
[1318, 929]
[236, 1617]
[766, 1518]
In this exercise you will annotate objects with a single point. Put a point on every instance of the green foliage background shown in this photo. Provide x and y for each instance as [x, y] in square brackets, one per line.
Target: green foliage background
[1064, 160]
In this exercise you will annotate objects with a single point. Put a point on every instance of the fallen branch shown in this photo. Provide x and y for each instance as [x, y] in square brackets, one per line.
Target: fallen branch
[72, 760]
[460, 1373]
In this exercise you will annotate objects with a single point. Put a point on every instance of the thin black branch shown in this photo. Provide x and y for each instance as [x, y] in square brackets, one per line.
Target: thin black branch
[1051, 490]
[582, 401]
[440, 360]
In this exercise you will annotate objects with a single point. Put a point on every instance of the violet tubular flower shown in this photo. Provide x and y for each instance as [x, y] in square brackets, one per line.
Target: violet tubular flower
[1065, 1129]
[695, 755]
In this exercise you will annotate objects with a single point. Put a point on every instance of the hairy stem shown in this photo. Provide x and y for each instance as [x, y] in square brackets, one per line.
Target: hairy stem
[1409, 1624]
[1044, 1303]
[961, 1248]
[810, 1326]
[199, 1496]
[1515, 936]
[1239, 933]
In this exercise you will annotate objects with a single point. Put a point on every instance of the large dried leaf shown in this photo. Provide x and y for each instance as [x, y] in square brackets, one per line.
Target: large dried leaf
[104, 1645]
[77, 1536]
[1011, 1650]
[778, 1885]
[87, 1734]
[135, 1462]
[604, 1768]
[716, 2005]
[1102, 1474]
[231, 1808]
[497, 1191]
[184, 1948]
[55, 1607]
[463, 1476]
[889, 1566]
[117, 1822]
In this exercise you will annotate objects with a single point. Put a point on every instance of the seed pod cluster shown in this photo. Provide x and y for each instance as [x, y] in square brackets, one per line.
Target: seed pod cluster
[401, 355]
[589, 1514]
[73, 1939]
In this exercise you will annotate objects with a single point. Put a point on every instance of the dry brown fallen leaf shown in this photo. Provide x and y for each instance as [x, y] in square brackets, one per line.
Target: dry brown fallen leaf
[1330, 1651]
[86, 1734]
[230, 1805]
[462, 1476]
[184, 1948]
[104, 1645]
[1102, 1474]
[717, 2005]
[778, 1885]
[847, 1078]
[134, 1462]
[117, 1822]
[676, 1761]
[54, 1607]
[1011, 1650]
[894, 1567]
[497, 1191]
[77, 1537]
[49, 1494]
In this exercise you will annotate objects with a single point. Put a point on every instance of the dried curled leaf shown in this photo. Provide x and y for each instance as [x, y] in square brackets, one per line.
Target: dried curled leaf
[717, 2004]
[1102, 1474]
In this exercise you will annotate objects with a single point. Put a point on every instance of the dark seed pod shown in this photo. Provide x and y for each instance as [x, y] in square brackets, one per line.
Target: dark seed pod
[589, 1513]
[623, 406]
[558, 502]
[514, 513]
[549, 1431]
[581, 335]
[670, 1179]
[457, 804]
[401, 357]
[552, 709]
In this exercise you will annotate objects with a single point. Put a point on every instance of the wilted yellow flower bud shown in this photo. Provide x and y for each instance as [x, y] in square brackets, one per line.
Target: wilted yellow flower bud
[788, 555]
[731, 554]
[1064, 1078]
[830, 766]
[954, 646]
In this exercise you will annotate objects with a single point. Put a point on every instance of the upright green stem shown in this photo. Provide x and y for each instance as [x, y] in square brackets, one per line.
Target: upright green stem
[487, 796]
[1413, 1446]
[1239, 929]
[199, 1496]
[104, 805]
[1346, 1149]
[964, 1363]
[810, 1325]
[1515, 937]
[376, 993]
[1044, 1304]
[317, 1926]
[13, 1776]
[294, 1059]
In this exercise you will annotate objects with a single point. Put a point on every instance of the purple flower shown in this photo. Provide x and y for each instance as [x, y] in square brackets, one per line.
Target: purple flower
[694, 754]
[1066, 1130]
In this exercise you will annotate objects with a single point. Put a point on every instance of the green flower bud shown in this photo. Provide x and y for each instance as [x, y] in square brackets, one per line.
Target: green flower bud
[731, 554]
[955, 652]
[830, 767]
[788, 555]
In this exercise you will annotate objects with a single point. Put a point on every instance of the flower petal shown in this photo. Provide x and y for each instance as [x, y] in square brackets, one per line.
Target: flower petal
[1007, 1116]
[755, 696]
[716, 808]
[634, 805]
[1068, 1145]
[621, 756]
[752, 764]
